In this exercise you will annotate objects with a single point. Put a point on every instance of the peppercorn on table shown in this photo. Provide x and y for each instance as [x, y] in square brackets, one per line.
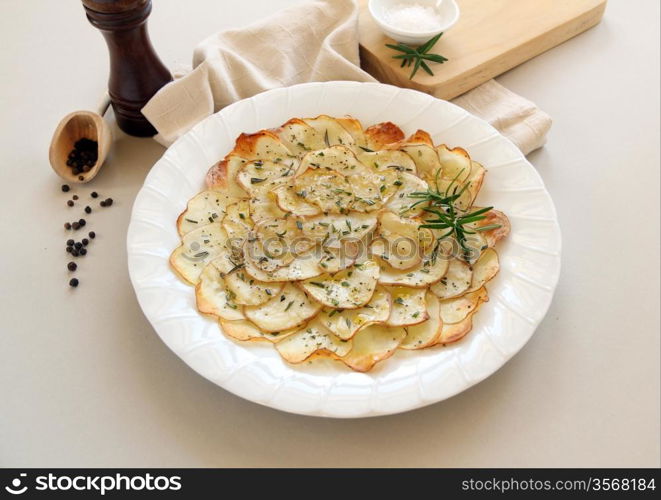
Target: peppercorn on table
[87, 382]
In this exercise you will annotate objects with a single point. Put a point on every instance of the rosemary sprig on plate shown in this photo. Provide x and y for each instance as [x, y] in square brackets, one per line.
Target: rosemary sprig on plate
[449, 218]
[418, 56]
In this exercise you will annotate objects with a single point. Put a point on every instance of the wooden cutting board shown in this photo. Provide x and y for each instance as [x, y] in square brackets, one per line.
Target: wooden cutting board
[491, 37]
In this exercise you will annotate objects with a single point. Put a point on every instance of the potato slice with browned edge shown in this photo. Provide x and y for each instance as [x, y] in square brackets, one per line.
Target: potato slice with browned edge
[457, 309]
[244, 330]
[259, 176]
[382, 134]
[387, 160]
[248, 291]
[300, 138]
[346, 323]
[204, 208]
[456, 163]
[456, 281]
[409, 306]
[213, 297]
[371, 345]
[425, 158]
[331, 130]
[348, 289]
[301, 268]
[198, 248]
[263, 206]
[485, 269]
[312, 338]
[425, 334]
[455, 332]
[288, 309]
[338, 159]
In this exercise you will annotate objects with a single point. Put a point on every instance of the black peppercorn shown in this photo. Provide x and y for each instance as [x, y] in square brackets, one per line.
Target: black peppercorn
[76, 226]
[67, 225]
[70, 203]
[94, 194]
[75, 196]
[69, 249]
[65, 187]
[81, 177]
[71, 266]
[82, 251]
[70, 242]
[92, 234]
[88, 210]
[78, 245]
[109, 202]
[82, 222]
[74, 252]
[85, 241]
[74, 282]
[103, 203]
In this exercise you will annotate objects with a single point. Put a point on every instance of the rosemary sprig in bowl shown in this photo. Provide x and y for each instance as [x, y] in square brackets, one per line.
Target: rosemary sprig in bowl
[418, 56]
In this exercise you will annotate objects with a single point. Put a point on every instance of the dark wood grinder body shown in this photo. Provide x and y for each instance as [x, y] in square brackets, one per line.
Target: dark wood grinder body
[136, 72]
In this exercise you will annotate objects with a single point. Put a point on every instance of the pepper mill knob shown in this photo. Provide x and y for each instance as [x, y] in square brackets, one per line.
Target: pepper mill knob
[136, 72]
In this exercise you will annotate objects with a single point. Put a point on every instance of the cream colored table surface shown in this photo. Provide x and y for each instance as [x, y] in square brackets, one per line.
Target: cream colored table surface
[85, 381]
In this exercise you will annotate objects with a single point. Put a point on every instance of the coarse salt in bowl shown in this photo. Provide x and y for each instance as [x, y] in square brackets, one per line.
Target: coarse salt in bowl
[413, 21]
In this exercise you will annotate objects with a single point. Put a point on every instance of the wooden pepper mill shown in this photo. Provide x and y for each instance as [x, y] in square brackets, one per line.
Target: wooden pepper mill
[136, 72]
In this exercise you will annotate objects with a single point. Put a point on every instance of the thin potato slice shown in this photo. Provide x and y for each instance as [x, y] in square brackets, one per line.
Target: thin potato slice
[290, 200]
[204, 208]
[198, 248]
[288, 309]
[408, 306]
[493, 217]
[303, 267]
[263, 145]
[368, 189]
[244, 330]
[457, 309]
[330, 129]
[382, 134]
[348, 289]
[456, 281]
[331, 230]
[475, 180]
[213, 297]
[403, 242]
[455, 332]
[371, 345]
[222, 176]
[428, 272]
[355, 129]
[259, 176]
[337, 158]
[346, 323]
[484, 269]
[311, 339]
[425, 158]
[387, 160]
[425, 334]
[237, 222]
[327, 189]
[263, 206]
[456, 163]
[336, 259]
[248, 291]
[300, 138]
[401, 203]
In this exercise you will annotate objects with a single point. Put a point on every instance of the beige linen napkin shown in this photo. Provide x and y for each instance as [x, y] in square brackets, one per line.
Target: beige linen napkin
[316, 41]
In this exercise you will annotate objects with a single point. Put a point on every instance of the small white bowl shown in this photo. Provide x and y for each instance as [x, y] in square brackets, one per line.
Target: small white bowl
[449, 11]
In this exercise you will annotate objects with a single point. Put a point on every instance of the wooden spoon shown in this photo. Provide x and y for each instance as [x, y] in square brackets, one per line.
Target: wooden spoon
[78, 125]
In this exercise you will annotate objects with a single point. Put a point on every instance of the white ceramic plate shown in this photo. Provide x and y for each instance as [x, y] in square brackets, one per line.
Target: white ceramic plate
[519, 296]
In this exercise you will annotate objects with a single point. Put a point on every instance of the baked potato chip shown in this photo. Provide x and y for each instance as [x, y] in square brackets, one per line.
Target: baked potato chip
[371, 345]
[457, 309]
[485, 269]
[204, 208]
[327, 189]
[198, 248]
[248, 291]
[292, 201]
[401, 203]
[409, 306]
[345, 323]
[456, 163]
[237, 222]
[311, 339]
[427, 333]
[348, 289]
[259, 176]
[288, 309]
[455, 332]
[213, 297]
[300, 138]
[456, 281]
[428, 272]
[301, 268]
[382, 134]
[263, 206]
[332, 132]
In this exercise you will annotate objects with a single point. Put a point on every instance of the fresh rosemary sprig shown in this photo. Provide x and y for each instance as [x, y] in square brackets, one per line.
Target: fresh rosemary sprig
[448, 216]
[417, 57]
